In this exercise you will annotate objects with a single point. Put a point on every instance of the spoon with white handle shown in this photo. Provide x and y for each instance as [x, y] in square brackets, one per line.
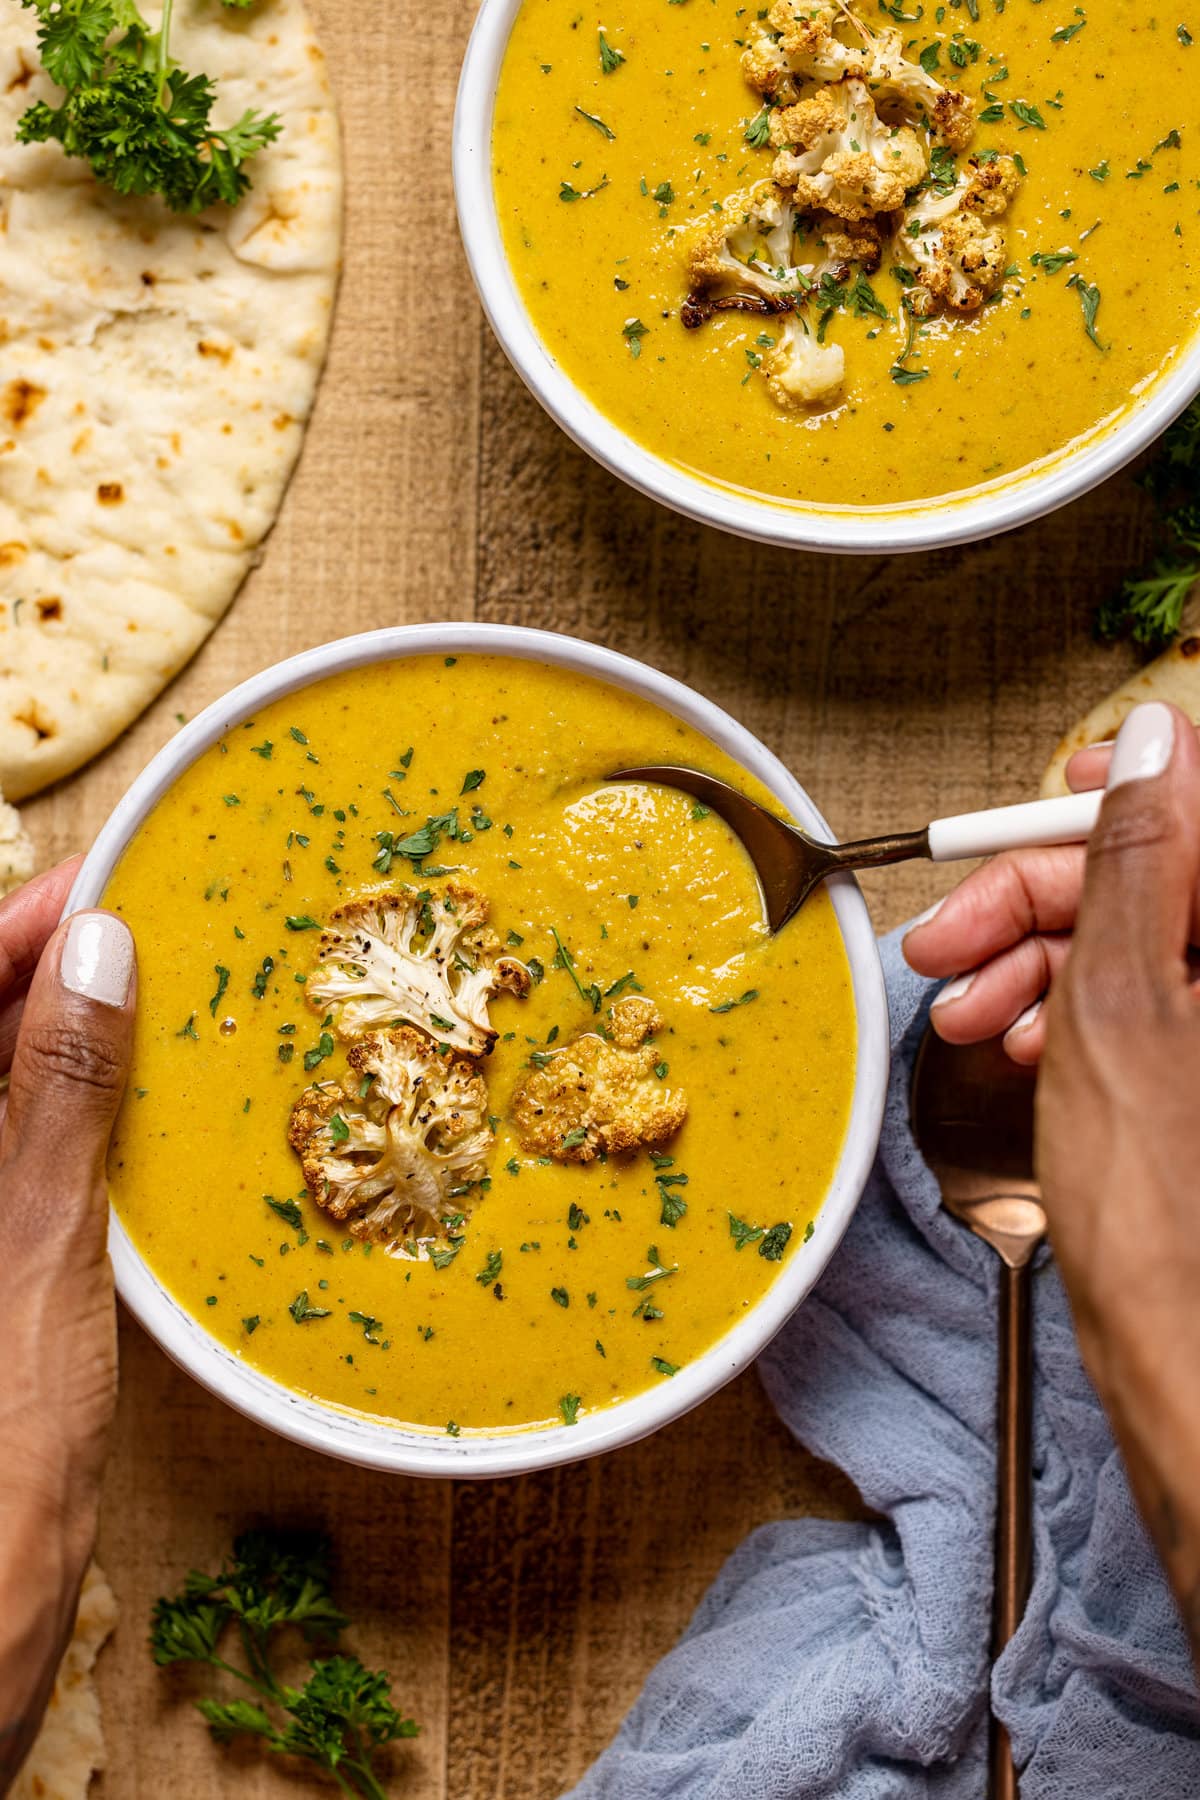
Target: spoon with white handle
[790, 864]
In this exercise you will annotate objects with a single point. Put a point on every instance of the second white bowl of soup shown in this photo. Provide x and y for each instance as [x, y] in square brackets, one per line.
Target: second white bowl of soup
[1016, 321]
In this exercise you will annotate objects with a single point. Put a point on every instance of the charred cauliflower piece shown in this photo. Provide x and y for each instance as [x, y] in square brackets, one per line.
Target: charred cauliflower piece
[763, 241]
[749, 243]
[837, 154]
[805, 37]
[429, 960]
[952, 243]
[801, 45]
[949, 113]
[600, 1094]
[392, 1162]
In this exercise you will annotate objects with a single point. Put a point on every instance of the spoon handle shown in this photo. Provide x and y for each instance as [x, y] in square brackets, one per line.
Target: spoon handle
[1014, 1493]
[1069, 820]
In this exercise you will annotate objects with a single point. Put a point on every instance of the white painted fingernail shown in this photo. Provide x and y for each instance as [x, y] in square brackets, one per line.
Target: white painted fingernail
[1025, 1021]
[1144, 744]
[931, 912]
[97, 958]
[954, 990]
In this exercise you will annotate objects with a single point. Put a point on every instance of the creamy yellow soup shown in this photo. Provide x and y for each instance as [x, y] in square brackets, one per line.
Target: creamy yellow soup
[1111, 181]
[224, 887]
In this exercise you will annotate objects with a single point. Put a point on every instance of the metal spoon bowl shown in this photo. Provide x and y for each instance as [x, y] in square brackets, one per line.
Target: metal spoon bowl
[790, 863]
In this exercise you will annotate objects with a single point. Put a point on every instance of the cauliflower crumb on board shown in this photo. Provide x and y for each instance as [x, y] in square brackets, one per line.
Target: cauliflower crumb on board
[865, 159]
[17, 860]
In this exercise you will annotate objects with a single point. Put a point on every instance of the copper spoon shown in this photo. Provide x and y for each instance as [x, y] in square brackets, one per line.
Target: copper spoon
[790, 863]
[972, 1116]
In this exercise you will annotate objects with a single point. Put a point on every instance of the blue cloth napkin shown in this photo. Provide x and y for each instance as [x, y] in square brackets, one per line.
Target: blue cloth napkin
[850, 1660]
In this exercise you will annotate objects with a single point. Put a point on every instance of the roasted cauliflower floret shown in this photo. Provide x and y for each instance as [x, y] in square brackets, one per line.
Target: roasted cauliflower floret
[836, 153]
[807, 37]
[800, 371]
[767, 70]
[952, 243]
[949, 112]
[762, 241]
[391, 1153]
[428, 959]
[801, 44]
[749, 243]
[600, 1094]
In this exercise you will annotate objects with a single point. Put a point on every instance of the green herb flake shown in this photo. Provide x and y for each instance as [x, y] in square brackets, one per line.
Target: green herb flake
[610, 57]
[302, 1312]
[725, 1006]
[222, 975]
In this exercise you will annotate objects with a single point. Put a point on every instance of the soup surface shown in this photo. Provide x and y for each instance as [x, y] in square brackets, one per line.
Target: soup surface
[570, 1286]
[1096, 101]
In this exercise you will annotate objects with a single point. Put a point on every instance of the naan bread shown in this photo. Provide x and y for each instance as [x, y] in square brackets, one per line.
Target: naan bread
[156, 373]
[1174, 676]
[70, 1746]
[16, 849]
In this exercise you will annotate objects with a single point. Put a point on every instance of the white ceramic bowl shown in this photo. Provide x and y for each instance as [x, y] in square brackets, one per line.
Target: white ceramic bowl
[373, 1443]
[919, 526]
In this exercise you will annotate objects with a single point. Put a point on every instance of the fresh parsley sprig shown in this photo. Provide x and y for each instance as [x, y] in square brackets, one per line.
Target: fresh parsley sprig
[340, 1717]
[1149, 607]
[128, 110]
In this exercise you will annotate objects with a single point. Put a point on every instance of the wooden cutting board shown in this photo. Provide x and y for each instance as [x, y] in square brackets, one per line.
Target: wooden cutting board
[519, 1618]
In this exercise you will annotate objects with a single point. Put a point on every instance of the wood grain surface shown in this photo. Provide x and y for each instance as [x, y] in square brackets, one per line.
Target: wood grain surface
[518, 1619]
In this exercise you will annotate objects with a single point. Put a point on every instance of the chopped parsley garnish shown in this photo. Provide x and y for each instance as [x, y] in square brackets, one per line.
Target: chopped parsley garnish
[606, 131]
[725, 1006]
[568, 1406]
[288, 1211]
[772, 1240]
[658, 1271]
[302, 1312]
[1089, 297]
[610, 57]
[560, 1296]
[222, 975]
[633, 331]
[758, 132]
[301, 922]
[491, 1269]
[563, 959]
[1028, 114]
[673, 1206]
[663, 1367]
[1065, 33]
[370, 1327]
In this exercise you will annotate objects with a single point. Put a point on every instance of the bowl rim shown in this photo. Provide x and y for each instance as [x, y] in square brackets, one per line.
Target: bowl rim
[357, 1438]
[1046, 486]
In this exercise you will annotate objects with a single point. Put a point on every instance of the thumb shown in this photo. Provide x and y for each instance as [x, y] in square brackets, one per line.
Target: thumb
[68, 1074]
[1143, 861]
